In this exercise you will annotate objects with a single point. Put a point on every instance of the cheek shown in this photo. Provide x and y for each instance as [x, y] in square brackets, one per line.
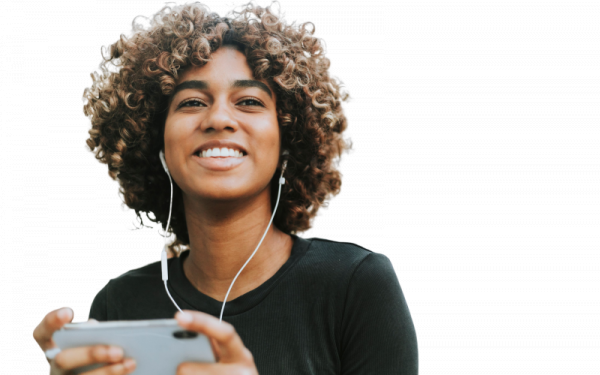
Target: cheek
[174, 130]
[267, 143]
[170, 134]
[178, 133]
[177, 143]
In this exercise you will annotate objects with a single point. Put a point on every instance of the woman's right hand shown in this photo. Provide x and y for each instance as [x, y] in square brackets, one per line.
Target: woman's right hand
[70, 359]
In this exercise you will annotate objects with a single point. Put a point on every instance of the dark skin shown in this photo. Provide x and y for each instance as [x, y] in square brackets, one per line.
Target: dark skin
[227, 211]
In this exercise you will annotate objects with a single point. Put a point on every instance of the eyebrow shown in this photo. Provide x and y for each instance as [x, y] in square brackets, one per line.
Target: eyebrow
[203, 85]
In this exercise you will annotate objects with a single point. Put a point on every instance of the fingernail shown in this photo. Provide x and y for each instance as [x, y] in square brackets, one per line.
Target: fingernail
[115, 352]
[129, 363]
[65, 314]
[185, 317]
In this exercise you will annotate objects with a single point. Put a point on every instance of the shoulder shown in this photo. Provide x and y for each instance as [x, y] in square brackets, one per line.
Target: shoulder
[125, 288]
[137, 276]
[376, 331]
[331, 249]
[149, 270]
[348, 260]
[347, 253]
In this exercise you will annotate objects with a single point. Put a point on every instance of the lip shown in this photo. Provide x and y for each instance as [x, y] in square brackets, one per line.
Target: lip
[219, 164]
[220, 143]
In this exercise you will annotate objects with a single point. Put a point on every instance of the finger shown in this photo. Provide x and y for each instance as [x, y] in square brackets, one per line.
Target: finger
[53, 321]
[229, 344]
[215, 348]
[121, 368]
[195, 368]
[69, 359]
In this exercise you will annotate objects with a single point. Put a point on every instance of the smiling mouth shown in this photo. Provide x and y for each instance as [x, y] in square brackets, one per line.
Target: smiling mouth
[230, 154]
[219, 163]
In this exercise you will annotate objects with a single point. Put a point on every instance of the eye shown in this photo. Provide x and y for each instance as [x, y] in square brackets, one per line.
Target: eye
[190, 103]
[252, 101]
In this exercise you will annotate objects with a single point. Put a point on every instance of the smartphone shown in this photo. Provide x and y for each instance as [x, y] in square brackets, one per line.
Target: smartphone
[158, 346]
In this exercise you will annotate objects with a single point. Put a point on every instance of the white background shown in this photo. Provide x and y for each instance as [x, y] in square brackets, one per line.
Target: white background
[476, 170]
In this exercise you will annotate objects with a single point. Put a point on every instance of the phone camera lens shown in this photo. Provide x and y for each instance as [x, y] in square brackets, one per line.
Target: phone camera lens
[185, 334]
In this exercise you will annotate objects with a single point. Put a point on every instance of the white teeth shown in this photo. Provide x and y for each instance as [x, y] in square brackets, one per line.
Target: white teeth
[222, 152]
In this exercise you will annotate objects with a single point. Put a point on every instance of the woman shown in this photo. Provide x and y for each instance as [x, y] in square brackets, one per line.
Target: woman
[231, 105]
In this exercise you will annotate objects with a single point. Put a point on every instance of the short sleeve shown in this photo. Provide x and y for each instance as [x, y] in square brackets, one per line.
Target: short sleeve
[99, 308]
[378, 334]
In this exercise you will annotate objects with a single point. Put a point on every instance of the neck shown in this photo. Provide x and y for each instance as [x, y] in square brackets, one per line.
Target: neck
[223, 235]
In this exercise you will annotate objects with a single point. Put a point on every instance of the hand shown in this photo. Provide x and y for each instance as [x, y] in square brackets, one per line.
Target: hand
[70, 359]
[232, 356]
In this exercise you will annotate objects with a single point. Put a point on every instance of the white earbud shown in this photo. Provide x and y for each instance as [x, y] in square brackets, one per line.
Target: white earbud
[285, 155]
[161, 155]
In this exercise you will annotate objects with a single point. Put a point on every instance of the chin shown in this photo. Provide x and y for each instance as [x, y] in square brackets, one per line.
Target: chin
[223, 196]
[224, 188]
[222, 192]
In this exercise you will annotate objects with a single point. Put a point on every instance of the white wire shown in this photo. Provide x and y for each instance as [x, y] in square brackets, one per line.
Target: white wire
[241, 269]
[167, 289]
[261, 240]
[166, 235]
[170, 207]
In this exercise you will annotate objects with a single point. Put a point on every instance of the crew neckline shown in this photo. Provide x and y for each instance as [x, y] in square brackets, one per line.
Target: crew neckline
[184, 289]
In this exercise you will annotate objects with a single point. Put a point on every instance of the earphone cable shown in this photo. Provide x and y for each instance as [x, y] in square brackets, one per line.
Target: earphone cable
[172, 300]
[164, 263]
[170, 208]
[166, 235]
[261, 240]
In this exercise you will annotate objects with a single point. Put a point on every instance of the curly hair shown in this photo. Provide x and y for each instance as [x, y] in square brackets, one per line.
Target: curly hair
[128, 101]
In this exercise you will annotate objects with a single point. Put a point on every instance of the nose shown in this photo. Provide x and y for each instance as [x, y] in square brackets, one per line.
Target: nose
[220, 117]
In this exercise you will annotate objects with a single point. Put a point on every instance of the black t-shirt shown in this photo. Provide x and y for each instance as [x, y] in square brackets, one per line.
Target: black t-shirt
[332, 308]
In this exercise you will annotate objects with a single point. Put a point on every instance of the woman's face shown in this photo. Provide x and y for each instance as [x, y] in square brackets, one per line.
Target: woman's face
[221, 106]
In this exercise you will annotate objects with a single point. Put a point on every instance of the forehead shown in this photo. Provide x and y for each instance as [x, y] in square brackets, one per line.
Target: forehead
[225, 64]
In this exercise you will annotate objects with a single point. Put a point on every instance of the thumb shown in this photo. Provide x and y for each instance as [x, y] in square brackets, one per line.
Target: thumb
[215, 349]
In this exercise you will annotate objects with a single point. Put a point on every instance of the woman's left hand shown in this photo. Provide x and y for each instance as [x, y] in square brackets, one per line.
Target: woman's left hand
[232, 356]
